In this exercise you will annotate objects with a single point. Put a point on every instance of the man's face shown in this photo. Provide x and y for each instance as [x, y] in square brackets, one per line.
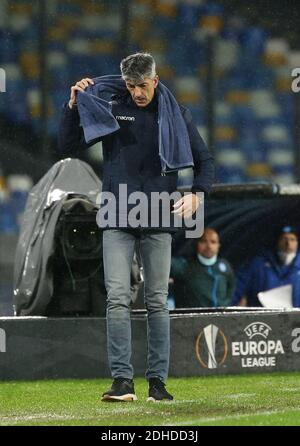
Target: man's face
[288, 243]
[209, 244]
[142, 93]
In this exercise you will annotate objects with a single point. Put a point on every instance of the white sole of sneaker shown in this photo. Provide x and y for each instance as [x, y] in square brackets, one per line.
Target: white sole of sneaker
[153, 400]
[128, 397]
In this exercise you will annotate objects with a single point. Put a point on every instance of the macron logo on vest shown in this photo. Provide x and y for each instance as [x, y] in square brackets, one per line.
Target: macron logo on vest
[125, 118]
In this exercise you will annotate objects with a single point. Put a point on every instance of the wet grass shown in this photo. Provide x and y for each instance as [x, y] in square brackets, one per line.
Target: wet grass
[264, 400]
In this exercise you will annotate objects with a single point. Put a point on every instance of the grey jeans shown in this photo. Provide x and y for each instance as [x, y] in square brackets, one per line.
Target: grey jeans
[118, 250]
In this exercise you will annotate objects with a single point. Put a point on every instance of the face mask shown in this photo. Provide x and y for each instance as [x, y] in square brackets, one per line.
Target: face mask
[207, 261]
[285, 258]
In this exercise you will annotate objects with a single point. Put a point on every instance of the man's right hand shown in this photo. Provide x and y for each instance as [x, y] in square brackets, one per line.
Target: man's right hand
[79, 86]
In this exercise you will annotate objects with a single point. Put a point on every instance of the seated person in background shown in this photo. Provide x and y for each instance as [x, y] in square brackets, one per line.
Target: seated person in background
[270, 270]
[204, 279]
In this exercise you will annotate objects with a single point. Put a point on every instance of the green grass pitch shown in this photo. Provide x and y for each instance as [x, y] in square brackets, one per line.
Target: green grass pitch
[236, 400]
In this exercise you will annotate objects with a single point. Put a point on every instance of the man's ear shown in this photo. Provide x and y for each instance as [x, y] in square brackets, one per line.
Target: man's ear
[156, 80]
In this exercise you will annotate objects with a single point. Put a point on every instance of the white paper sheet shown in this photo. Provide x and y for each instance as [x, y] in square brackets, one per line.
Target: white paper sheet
[280, 297]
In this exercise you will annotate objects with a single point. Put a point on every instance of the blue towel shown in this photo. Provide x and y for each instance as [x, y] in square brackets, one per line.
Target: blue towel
[97, 120]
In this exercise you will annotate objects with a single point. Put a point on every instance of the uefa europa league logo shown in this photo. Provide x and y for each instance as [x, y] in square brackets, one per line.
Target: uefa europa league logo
[2, 81]
[210, 335]
[2, 341]
[211, 347]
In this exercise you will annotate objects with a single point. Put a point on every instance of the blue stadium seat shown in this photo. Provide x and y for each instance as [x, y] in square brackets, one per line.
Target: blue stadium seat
[188, 15]
[8, 221]
[253, 41]
[9, 48]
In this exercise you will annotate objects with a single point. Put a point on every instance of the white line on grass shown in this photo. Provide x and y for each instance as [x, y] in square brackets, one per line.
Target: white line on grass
[240, 395]
[6, 420]
[289, 389]
[229, 417]
[44, 416]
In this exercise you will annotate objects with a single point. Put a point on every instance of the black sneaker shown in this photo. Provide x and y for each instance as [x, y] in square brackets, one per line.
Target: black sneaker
[122, 389]
[157, 391]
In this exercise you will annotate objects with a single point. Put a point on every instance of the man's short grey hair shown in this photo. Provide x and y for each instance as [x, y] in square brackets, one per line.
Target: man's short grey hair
[137, 67]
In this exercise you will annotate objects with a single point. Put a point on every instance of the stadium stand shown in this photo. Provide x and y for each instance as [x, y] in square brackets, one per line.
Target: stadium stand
[254, 104]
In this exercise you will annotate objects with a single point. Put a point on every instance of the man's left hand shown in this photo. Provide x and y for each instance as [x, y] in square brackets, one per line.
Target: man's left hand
[187, 205]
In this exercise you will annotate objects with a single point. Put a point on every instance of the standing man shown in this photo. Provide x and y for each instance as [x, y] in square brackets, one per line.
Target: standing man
[205, 279]
[137, 154]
